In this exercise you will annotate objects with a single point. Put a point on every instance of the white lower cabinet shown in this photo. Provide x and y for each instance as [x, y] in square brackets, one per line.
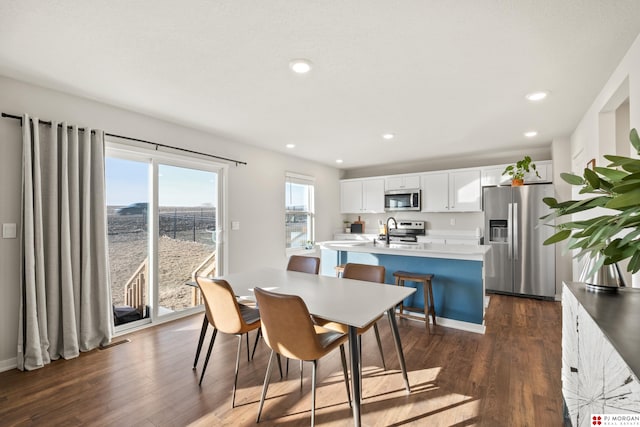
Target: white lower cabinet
[595, 378]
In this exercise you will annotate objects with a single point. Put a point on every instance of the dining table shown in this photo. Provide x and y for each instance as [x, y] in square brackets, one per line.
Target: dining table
[355, 303]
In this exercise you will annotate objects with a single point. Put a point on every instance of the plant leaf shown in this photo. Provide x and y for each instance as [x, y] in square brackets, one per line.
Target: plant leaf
[572, 179]
[592, 178]
[635, 140]
[625, 200]
[612, 174]
[626, 186]
[558, 237]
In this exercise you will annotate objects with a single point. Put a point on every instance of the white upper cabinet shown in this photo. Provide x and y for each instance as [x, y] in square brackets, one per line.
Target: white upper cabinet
[435, 192]
[402, 182]
[362, 196]
[492, 175]
[452, 191]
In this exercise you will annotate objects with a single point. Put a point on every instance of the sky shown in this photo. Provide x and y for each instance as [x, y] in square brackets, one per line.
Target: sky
[128, 182]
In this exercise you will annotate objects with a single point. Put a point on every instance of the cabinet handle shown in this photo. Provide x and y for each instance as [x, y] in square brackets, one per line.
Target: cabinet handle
[574, 369]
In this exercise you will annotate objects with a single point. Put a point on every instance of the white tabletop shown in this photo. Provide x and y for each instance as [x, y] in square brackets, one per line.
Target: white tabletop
[352, 302]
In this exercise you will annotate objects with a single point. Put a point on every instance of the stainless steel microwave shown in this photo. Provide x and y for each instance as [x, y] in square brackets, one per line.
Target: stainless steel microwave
[402, 200]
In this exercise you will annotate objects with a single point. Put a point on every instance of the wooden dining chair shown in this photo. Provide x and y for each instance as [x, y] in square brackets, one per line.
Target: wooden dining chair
[226, 316]
[304, 264]
[288, 330]
[369, 273]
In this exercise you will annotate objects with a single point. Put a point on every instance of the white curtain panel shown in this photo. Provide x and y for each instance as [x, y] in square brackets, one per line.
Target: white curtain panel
[66, 295]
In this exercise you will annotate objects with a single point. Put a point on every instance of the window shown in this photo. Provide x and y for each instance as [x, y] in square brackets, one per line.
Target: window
[299, 221]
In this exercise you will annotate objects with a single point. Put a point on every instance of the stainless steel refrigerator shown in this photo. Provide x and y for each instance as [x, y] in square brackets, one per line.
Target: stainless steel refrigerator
[518, 263]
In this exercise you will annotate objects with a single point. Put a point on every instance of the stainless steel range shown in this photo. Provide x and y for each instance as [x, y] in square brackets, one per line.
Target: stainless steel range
[406, 231]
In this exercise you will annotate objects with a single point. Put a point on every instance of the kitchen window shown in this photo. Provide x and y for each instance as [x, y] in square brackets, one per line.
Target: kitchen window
[299, 211]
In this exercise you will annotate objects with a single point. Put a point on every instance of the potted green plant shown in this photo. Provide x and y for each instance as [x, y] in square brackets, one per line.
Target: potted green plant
[518, 170]
[614, 234]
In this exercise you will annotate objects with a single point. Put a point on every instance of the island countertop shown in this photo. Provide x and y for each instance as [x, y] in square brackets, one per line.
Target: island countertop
[429, 250]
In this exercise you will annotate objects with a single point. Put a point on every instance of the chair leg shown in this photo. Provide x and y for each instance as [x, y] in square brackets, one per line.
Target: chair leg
[360, 351]
[248, 359]
[206, 360]
[253, 353]
[313, 393]
[266, 385]
[346, 374]
[301, 372]
[203, 332]
[287, 370]
[377, 332]
[279, 365]
[235, 380]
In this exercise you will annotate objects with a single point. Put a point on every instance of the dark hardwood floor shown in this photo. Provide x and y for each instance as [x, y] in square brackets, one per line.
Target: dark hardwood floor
[509, 376]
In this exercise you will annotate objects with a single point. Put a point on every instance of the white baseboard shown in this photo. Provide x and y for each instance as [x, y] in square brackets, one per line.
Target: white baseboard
[7, 365]
[451, 323]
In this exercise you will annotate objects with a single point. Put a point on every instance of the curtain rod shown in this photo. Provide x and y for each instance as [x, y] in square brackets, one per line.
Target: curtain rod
[156, 144]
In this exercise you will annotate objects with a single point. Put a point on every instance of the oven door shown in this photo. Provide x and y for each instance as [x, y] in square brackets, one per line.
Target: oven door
[402, 200]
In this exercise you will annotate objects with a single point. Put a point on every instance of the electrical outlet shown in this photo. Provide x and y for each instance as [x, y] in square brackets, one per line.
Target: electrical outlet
[452, 221]
[235, 225]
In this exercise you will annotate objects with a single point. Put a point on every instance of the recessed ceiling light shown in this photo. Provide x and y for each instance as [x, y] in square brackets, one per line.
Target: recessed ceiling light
[291, 145]
[530, 134]
[537, 96]
[339, 161]
[388, 136]
[300, 66]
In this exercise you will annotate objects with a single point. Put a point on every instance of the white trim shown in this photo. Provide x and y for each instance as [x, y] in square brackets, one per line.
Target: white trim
[449, 323]
[8, 364]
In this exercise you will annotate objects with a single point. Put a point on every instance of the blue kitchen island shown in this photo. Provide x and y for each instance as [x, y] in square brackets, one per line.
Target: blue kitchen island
[458, 282]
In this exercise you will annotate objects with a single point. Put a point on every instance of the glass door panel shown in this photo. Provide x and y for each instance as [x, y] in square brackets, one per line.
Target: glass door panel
[127, 186]
[187, 218]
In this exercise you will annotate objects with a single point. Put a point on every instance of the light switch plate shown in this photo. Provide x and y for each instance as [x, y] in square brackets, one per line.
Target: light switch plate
[235, 225]
[9, 231]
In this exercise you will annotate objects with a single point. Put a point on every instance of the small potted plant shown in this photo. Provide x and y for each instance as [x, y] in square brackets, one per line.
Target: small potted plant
[518, 170]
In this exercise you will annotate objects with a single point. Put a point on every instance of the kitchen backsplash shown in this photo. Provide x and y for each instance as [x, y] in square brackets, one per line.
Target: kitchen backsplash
[458, 221]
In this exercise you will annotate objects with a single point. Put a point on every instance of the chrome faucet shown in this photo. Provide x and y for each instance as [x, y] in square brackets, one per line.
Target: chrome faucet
[395, 224]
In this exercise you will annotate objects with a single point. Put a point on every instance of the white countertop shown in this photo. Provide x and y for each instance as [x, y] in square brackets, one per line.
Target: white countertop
[425, 250]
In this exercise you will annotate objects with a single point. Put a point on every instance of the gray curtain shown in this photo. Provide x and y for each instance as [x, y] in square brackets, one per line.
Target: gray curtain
[66, 296]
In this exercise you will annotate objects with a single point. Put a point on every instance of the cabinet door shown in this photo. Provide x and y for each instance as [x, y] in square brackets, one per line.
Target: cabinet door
[402, 182]
[435, 192]
[621, 387]
[569, 372]
[545, 170]
[464, 189]
[351, 197]
[590, 368]
[493, 176]
[412, 181]
[373, 195]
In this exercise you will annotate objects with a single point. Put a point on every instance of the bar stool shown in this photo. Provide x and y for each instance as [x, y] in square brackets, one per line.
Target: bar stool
[429, 305]
[339, 270]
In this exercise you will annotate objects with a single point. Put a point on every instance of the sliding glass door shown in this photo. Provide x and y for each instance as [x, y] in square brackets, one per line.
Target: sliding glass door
[187, 226]
[163, 216]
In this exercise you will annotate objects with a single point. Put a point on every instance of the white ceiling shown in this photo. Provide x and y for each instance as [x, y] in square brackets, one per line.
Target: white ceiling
[447, 77]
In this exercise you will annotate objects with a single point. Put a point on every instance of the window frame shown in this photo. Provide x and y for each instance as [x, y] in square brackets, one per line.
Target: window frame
[116, 149]
[296, 178]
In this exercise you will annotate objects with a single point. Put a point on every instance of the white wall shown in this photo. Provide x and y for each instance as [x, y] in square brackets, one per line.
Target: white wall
[255, 192]
[586, 141]
[561, 151]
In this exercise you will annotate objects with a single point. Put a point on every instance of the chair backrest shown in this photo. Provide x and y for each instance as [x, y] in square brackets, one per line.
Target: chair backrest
[220, 302]
[286, 325]
[370, 273]
[304, 264]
